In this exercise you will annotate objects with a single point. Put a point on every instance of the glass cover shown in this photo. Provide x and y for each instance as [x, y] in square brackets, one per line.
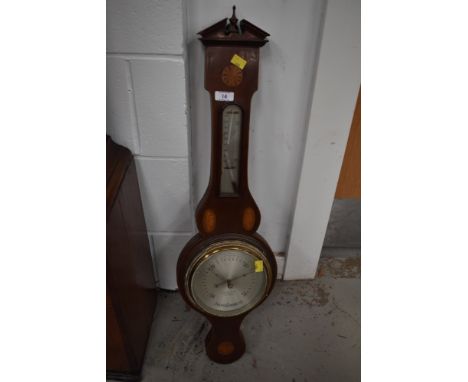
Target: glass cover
[232, 125]
[228, 283]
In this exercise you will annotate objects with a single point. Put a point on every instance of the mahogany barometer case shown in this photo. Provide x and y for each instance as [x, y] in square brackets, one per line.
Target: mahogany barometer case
[227, 269]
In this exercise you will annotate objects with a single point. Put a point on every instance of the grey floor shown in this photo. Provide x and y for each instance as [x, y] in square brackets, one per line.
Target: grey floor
[304, 331]
[344, 226]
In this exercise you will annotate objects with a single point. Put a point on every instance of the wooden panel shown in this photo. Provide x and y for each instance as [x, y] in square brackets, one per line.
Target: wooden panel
[115, 349]
[130, 279]
[136, 276]
[349, 184]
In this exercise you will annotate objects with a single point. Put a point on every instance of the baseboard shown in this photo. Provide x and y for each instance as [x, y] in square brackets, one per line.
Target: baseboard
[120, 376]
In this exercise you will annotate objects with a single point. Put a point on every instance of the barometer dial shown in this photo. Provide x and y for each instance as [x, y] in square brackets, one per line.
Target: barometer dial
[228, 281]
[230, 151]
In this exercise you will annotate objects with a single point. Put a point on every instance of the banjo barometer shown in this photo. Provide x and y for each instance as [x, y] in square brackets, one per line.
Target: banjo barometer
[228, 269]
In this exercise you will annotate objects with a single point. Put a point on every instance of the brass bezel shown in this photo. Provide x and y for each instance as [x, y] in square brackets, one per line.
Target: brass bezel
[212, 250]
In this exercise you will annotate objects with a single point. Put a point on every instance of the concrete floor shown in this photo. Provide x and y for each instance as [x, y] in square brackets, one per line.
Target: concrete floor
[344, 226]
[305, 331]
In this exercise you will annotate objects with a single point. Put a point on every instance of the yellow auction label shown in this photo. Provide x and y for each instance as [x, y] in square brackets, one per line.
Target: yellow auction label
[258, 265]
[238, 61]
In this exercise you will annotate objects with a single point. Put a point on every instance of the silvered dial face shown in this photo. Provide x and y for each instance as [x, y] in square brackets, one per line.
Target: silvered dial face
[229, 282]
[232, 123]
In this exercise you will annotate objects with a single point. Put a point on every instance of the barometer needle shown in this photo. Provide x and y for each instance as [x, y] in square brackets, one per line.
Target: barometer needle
[238, 277]
[221, 283]
[235, 278]
[219, 277]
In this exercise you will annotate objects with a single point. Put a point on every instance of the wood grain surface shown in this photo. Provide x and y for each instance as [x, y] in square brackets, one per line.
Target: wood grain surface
[349, 183]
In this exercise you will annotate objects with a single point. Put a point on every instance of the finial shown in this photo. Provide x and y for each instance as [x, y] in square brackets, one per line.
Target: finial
[233, 18]
[232, 26]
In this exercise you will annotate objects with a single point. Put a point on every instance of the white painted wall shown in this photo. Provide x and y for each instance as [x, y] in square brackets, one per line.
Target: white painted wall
[147, 112]
[336, 89]
[280, 108]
